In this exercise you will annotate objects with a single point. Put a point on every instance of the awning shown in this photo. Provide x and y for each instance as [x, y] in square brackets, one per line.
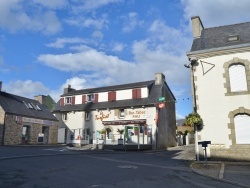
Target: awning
[124, 122]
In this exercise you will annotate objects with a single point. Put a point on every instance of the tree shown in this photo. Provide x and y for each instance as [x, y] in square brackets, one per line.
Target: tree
[194, 119]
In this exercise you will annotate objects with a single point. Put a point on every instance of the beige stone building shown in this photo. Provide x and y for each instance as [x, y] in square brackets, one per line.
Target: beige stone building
[25, 121]
[220, 60]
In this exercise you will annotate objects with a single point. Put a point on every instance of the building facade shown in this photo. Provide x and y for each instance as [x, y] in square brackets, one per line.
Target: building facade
[131, 107]
[25, 121]
[220, 58]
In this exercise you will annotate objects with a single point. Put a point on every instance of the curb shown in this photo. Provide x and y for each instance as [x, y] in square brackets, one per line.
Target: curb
[215, 178]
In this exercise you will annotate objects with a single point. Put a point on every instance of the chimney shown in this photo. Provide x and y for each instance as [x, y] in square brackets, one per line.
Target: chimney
[40, 98]
[68, 89]
[1, 85]
[159, 78]
[197, 26]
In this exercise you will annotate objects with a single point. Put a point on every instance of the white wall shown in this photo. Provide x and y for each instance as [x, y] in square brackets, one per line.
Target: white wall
[213, 105]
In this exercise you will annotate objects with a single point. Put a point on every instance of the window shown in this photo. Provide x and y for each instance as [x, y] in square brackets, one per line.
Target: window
[122, 114]
[68, 100]
[233, 38]
[242, 129]
[90, 97]
[237, 76]
[87, 115]
[64, 116]
[37, 107]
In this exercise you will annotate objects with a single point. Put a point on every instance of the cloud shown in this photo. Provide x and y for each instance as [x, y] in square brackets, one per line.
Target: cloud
[61, 42]
[53, 4]
[217, 12]
[131, 22]
[26, 88]
[90, 5]
[117, 47]
[179, 116]
[97, 34]
[14, 17]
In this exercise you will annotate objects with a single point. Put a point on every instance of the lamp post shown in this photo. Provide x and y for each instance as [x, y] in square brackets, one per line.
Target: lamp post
[193, 62]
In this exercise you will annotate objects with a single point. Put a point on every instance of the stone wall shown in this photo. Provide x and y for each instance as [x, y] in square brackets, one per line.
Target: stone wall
[2, 114]
[13, 131]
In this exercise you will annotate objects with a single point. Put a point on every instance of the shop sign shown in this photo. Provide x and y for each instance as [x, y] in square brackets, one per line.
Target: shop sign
[40, 121]
[161, 99]
[137, 113]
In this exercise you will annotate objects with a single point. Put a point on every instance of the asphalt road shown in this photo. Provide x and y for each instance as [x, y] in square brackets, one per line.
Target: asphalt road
[52, 167]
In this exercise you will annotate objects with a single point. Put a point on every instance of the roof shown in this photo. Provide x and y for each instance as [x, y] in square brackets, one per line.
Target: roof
[217, 37]
[14, 104]
[110, 88]
[151, 100]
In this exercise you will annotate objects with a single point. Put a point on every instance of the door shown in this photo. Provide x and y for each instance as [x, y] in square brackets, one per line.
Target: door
[45, 131]
[25, 134]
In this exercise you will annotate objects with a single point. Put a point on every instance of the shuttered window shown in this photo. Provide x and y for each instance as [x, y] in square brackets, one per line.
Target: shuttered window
[136, 93]
[237, 76]
[96, 98]
[83, 99]
[112, 96]
[73, 100]
[242, 129]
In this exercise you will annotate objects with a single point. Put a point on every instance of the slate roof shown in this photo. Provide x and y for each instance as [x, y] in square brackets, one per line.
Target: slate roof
[217, 37]
[110, 88]
[151, 100]
[14, 104]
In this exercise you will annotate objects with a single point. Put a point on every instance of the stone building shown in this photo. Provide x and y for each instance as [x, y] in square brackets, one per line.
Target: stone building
[220, 64]
[132, 107]
[25, 121]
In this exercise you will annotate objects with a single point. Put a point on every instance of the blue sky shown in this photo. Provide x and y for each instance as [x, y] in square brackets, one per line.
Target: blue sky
[46, 45]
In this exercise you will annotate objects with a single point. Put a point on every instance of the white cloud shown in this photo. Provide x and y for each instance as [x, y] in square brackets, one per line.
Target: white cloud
[90, 5]
[53, 4]
[217, 12]
[97, 34]
[117, 47]
[26, 88]
[14, 17]
[131, 22]
[61, 42]
[179, 116]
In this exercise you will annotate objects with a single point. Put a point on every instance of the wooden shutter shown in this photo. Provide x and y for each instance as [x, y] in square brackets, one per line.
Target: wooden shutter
[134, 94]
[138, 93]
[109, 96]
[83, 99]
[96, 98]
[73, 100]
[62, 102]
[114, 96]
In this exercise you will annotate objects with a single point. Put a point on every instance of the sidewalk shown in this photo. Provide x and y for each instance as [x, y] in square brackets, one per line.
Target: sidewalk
[236, 173]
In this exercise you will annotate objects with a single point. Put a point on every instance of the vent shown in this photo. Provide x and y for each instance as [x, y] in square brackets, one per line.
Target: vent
[233, 38]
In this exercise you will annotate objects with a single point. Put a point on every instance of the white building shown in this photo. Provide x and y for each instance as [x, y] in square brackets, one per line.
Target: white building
[222, 87]
[132, 107]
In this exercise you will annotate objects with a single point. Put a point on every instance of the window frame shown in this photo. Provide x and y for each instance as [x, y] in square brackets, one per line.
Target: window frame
[68, 100]
[87, 115]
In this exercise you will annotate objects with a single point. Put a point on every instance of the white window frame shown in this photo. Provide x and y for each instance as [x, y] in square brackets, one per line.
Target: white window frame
[65, 116]
[121, 113]
[68, 100]
[90, 97]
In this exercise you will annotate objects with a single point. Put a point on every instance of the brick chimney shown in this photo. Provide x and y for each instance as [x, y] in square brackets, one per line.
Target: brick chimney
[159, 78]
[41, 99]
[197, 26]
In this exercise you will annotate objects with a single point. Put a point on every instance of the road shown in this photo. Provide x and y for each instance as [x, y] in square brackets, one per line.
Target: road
[52, 167]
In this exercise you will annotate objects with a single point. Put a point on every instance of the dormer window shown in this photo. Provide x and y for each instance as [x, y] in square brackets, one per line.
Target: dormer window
[233, 38]
[68, 100]
[90, 97]
[38, 108]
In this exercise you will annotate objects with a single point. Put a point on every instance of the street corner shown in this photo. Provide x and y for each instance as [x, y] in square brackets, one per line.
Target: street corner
[211, 169]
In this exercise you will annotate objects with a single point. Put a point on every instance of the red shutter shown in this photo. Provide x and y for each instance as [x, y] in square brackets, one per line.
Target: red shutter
[73, 100]
[109, 96]
[134, 94]
[61, 101]
[83, 99]
[96, 97]
[138, 93]
[113, 96]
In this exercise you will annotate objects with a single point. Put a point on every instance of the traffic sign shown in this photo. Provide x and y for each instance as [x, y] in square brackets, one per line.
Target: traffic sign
[161, 99]
[161, 105]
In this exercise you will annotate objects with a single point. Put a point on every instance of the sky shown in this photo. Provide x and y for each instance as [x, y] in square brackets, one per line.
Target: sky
[46, 45]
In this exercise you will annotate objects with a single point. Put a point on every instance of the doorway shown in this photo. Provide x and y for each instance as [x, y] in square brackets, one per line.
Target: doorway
[25, 134]
[45, 131]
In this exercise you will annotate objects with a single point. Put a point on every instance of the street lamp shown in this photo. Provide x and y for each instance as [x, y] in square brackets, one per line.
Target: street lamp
[194, 62]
